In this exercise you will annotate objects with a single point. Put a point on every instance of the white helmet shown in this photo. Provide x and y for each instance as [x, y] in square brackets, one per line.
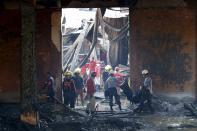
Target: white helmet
[77, 70]
[144, 72]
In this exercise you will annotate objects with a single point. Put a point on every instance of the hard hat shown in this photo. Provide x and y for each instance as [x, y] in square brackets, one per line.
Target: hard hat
[117, 68]
[144, 72]
[68, 73]
[77, 70]
[108, 68]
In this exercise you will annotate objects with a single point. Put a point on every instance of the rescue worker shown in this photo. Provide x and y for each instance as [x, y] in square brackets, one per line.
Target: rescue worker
[92, 65]
[146, 92]
[125, 86]
[111, 87]
[50, 85]
[83, 73]
[97, 79]
[119, 77]
[91, 85]
[69, 90]
[105, 76]
[90, 93]
[106, 71]
[78, 84]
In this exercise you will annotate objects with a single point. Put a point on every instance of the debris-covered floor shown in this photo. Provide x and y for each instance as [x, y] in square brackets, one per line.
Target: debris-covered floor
[171, 113]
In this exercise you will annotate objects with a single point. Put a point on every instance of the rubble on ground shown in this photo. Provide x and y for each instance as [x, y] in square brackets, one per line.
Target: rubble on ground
[118, 120]
[10, 119]
[60, 118]
[170, 114]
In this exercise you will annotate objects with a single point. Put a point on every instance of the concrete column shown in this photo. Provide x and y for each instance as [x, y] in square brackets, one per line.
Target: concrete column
[28, 62]
[135, 64]
[56, 64]
[196, 54]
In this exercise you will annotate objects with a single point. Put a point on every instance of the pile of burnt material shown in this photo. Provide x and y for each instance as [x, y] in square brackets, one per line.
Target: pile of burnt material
[57, 117]
[115, 123]
[176, 106]
[170, 105]
[192, 108]
[10, 119]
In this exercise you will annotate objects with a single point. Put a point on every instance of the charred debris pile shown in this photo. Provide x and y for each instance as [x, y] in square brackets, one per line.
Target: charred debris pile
[10, 119]
[57, 117]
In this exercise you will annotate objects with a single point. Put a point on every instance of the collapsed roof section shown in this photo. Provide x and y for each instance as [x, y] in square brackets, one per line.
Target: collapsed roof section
[91, 29]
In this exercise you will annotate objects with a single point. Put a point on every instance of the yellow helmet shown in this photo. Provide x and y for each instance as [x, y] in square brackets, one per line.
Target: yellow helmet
[77, 70]
[68, 73]
[108, 68]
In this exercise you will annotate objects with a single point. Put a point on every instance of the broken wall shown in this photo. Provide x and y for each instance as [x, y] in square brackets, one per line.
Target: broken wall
[165, 44]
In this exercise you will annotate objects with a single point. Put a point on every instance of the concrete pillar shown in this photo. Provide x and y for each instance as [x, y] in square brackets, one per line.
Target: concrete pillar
[196, 54]
[135, 64]
[28, 62]
[193, 4]
[56, 64]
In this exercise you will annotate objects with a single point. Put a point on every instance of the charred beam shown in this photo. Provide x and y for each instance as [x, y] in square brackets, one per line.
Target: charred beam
[48, 3]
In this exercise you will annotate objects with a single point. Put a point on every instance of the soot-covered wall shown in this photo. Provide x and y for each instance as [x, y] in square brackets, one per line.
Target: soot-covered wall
[10, 62]
[48, 47]
[165, 44]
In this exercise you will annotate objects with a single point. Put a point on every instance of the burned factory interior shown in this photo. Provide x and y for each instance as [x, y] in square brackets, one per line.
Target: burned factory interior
[98, 65]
